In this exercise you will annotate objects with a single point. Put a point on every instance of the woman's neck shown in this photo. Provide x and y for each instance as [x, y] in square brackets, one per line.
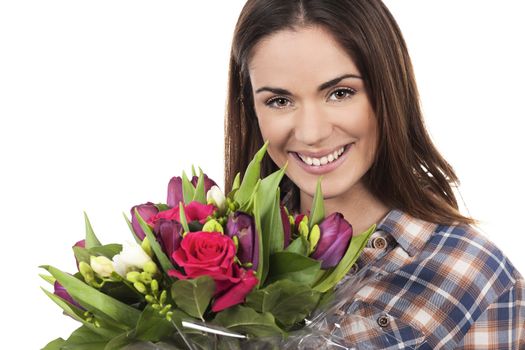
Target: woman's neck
[359, 207]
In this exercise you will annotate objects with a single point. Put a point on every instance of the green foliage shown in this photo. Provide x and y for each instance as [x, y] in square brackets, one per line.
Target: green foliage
[251, 177]
[300, 245]
[130, 226]
[108, 250]
[91, 238]
[83, 338]
[193, 295]
[94, 300]
[317, 210]
[289, 302]
[188, 191]
[200, 194]
[293, 266]
[182, 219]
[152, 326]
[246, 320]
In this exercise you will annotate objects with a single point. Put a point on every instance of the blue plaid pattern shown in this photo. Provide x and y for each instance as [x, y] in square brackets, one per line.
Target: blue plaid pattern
[437, 287]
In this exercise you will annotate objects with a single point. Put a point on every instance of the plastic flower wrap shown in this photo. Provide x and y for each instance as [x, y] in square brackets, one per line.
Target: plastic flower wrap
[210, 269]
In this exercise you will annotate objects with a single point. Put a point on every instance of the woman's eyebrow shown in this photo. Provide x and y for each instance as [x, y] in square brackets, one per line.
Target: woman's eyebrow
[323, 86]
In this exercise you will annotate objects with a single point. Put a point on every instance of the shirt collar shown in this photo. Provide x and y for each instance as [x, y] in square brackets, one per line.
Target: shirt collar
[410, 233]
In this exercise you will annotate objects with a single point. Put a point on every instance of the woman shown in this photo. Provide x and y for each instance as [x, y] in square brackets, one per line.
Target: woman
[331, 86]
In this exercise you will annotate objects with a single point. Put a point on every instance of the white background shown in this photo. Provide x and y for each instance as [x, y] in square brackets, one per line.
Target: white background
[101, 102]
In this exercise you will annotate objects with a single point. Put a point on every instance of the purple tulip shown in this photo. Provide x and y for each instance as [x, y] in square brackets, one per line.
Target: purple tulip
[169, 233]
[286, 227]
[336, 234]
[61, 292]
[242, 225]
[146, 211]
[175, 188]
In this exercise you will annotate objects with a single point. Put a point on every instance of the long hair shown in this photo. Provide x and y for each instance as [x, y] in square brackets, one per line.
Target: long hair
[408, 172]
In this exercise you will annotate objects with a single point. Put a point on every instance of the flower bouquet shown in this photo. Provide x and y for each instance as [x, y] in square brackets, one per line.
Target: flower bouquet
[209, 270]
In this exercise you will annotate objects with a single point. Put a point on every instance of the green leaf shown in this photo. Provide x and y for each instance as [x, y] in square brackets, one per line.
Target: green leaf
[137, 239]
[273, 224]
[262, 267]
[269, 187]
[300, 245]
[236, 182]
[49, 279]
[200, 194]
[293, 266]
[84, 338]
[152, 326]
[55, 344]
[182, 218]
[165, 263]
[77, 314]
[356, 246]
[289, 302]
[193, 172]
[91, 239]
[81, 254]
[94, 300]
[108, 250]
[193, 295]
[251, 176]
[317, 210]
[162, 206]
[245, 320]
[188, 191]
[120, 341]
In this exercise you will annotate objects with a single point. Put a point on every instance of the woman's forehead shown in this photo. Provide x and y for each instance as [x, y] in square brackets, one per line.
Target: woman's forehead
[299, 57]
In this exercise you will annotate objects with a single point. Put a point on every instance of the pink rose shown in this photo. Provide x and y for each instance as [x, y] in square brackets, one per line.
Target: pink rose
[194, 211]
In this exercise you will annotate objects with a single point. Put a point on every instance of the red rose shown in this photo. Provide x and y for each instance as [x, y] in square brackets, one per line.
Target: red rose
[205, 253]
[236, 293]
[212, 254]
[193, 211]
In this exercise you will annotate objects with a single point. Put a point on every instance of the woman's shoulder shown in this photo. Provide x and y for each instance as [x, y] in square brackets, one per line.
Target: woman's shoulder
[466, 251]
[442, 279]
[457, 251]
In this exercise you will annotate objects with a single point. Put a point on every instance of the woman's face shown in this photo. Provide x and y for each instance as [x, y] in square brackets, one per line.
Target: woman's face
[312, 106]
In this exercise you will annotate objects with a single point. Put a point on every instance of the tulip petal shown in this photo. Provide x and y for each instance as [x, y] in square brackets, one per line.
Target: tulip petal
[175, 191]
[146, 211]
[336, 234]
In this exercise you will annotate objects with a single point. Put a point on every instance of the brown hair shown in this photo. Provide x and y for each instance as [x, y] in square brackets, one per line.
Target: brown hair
[408, 172]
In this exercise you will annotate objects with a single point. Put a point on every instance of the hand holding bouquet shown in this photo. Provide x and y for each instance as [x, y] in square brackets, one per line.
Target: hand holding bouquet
[237, 262]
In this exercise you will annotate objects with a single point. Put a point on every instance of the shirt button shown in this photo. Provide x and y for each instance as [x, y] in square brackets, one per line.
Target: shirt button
[353, 269]
[383, 321]
[379, 243]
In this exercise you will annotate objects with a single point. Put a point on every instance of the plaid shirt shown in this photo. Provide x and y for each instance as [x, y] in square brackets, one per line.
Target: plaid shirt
[430, 286]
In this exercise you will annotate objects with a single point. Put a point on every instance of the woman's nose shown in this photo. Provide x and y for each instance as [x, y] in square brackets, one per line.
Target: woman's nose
[312, 126]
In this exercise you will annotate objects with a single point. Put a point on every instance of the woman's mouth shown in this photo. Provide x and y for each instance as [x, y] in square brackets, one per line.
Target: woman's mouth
[324, 163]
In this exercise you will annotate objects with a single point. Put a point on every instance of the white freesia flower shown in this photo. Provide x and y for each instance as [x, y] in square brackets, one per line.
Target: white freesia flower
[132, 257]
[101, 265]
[216, 197]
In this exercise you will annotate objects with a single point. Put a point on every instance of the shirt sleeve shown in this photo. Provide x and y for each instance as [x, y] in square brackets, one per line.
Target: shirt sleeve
[501, 325]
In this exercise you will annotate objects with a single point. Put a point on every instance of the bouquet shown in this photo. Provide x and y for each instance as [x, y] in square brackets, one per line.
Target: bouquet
[208, 268]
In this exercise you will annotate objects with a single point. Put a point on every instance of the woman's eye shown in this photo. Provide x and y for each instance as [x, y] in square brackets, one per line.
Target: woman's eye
[341, 94]
[277, 102]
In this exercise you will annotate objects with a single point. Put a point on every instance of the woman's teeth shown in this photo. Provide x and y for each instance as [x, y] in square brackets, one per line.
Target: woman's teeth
[323, 160]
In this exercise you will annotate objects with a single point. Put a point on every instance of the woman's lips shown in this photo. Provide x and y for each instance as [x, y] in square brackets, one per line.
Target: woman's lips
[322, 169]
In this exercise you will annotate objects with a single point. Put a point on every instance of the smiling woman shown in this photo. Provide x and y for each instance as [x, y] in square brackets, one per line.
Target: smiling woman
[322, 122]
[330, 85]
